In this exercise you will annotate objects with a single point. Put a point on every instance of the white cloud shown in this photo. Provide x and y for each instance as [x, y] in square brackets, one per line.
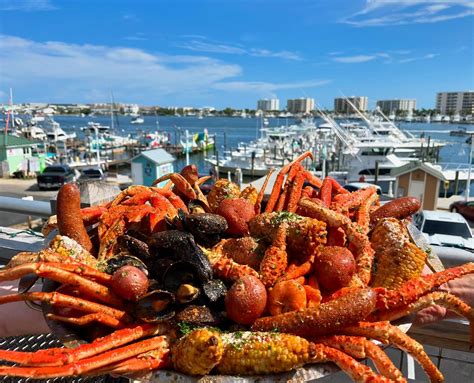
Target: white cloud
[267, 87]
[354, 59]
[55, 71]
[202, 44]
[428, 56]
[399, 12]
[26, 5]
[362, 58]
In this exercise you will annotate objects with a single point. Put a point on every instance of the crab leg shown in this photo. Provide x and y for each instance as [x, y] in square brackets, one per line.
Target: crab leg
[295, 192]
[325, 193]
[275, 260]
[39, 267]
[440, 298]
[152, 360]
[361, 348]
[258, 203]
[344, 202]
[180, 182]
[288, 186]
[173, 198]
[412, 290]
[63, 300]
[62, 356]
[90, 364]
[389, 334]
[279, 181]
[128, 192]
[46, 270]
[88, 319]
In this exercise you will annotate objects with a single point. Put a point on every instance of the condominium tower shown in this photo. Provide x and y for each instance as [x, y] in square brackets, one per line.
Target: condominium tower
[300, 105]
[396, 105]
[268, 105]
[455, 102]
[341, 104]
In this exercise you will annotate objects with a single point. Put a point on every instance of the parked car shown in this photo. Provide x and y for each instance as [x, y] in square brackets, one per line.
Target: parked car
[92, 174]
[354, 186]
[55, 176]
[445, 229]
[465, 208]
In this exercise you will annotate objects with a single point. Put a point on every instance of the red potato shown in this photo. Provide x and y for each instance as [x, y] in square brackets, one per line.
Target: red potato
[130, 283]
[246, 300]
[237, 212]
[334, 267]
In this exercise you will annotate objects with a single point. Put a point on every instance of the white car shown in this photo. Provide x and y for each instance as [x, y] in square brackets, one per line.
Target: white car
[445, 229]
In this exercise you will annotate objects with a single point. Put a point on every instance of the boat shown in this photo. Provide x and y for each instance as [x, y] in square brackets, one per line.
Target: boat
[446, 119]
[155, 139]
[198, 142]
[55, 134]
[137, 120]
[461, 131]
[33, 132]
[437, 118]
[456, 118]
[103, 137]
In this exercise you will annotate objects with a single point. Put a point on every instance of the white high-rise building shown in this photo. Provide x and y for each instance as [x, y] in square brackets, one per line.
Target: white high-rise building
[455, 102]
[300, 105]
[342, 106]
[396, 105]
[267, 105]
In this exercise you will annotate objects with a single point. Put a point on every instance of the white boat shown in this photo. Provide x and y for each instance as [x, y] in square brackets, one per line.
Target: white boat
[445, 119]
[33, 132]
[103, 137]
[155, 139]
[456, 118]
[392, 116]
[437, 118]
[55, 134]
[137, 120]
[427, 118]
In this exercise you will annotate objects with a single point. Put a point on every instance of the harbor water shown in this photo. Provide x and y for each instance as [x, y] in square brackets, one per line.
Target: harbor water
[230, 131]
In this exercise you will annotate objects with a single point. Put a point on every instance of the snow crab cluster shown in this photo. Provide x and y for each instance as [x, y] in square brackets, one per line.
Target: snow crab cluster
[168, 278]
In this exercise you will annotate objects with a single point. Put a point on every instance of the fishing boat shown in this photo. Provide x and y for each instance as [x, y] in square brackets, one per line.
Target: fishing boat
[137, 120]
[461, 131]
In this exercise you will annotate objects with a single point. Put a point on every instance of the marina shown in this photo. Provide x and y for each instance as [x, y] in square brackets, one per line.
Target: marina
[347, 149]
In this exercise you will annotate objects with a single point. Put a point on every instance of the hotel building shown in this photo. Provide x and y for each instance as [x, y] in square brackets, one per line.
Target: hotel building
[388, 106]
[342, 106]
[455, 102]
[300, 105]
[267, 105]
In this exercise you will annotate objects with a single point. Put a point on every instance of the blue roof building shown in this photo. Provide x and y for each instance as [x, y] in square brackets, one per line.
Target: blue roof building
[150, 165]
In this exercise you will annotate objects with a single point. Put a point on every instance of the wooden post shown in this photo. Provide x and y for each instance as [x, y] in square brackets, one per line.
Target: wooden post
[376, 178]
[456, 182]
[253, 165]
[428, 148]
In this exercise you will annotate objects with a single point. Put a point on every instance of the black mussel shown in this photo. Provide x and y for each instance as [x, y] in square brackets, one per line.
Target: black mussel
[207, 228]
[123, 259]
[187, 293]
[199, 316]
[158, 266]
[180, 273]
[215, 290]
[134, 246]
[156, 306]
[181, 247]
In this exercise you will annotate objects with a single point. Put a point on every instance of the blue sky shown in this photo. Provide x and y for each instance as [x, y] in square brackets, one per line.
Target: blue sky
[233, 52]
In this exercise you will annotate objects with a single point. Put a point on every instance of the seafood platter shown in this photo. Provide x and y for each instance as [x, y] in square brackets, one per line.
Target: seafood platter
[225, 284]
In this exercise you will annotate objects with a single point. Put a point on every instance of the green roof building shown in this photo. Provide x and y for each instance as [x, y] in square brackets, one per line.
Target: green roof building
[16, 154]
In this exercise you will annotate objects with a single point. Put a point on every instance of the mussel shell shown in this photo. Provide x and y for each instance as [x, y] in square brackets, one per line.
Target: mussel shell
[215, 290]
[199, 316]
[134, 246]
[124, 259]
[158, 266]
[180, 246]
[206, 228]
[180, 273]
[155, 306]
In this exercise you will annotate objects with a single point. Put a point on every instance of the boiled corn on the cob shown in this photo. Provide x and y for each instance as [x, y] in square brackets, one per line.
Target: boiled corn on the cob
[396, 258]
[250, 353]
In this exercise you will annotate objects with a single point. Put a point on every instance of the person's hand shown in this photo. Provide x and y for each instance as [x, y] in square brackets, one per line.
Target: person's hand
[462, 287]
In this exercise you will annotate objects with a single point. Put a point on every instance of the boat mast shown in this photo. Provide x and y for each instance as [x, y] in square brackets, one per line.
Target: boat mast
[112, 111]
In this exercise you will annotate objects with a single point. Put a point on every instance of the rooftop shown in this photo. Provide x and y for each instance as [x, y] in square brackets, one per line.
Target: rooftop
[15, 141]
[158, 156]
